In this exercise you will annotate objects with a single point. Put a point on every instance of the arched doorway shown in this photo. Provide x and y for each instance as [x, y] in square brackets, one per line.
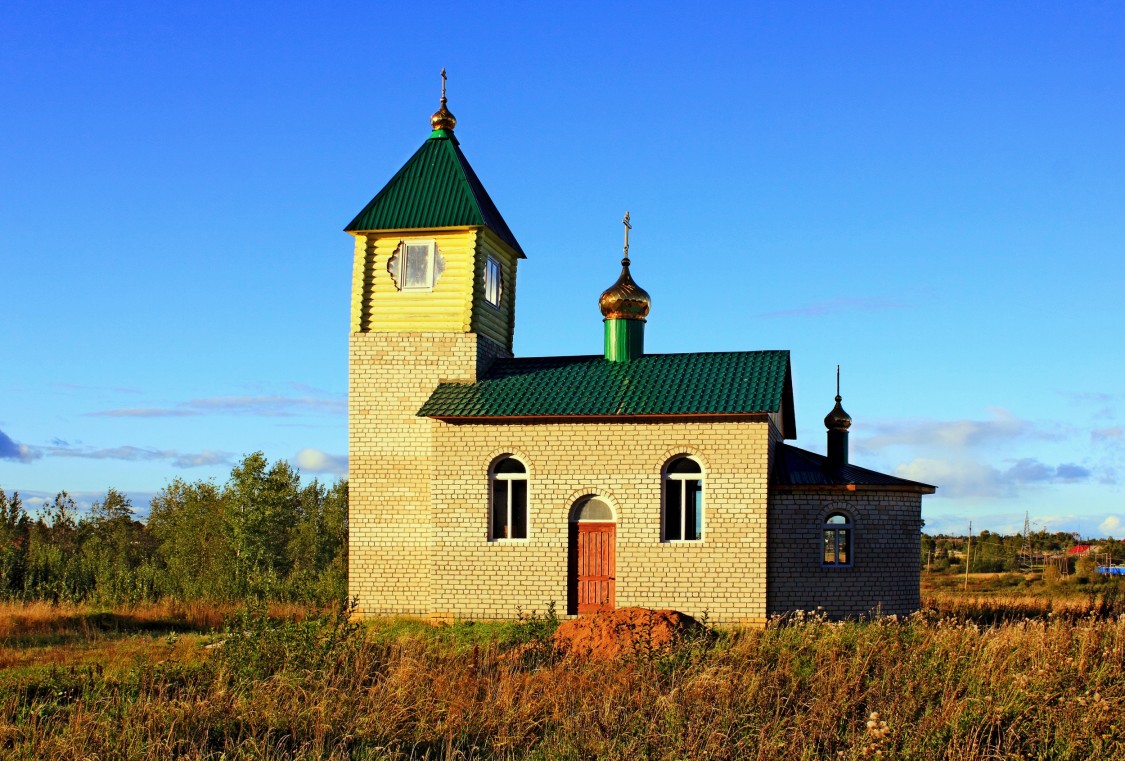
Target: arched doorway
[592, 566]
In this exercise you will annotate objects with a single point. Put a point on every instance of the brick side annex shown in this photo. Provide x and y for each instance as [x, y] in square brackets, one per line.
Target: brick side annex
[483, 484]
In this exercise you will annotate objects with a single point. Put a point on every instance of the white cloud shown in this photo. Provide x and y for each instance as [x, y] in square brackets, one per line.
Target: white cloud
[13, 450]
[316, 461]
[956, 479]
[956, 435]
[131, 453]
[1110, 525]
[970, 478]
[146, 412]
[206, 457]
[260, 406]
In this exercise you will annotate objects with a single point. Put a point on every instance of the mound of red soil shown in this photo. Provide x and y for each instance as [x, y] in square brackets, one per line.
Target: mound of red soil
[625, 631]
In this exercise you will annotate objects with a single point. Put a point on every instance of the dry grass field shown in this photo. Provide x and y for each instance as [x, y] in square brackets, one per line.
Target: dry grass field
[984, 674]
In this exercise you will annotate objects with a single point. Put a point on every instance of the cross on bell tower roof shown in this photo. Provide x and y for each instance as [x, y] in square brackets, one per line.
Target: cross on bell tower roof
[443, 119]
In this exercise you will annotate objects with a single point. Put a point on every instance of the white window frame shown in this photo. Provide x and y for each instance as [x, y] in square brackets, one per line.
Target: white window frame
[493, 281]
[836, 528]
[493, 477]
[679, 481]
[431, 265]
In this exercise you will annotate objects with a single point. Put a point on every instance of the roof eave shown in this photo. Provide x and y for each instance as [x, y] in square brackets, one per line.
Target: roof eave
[917, 488]
[724, 417]
[497, 238]
[416, 230]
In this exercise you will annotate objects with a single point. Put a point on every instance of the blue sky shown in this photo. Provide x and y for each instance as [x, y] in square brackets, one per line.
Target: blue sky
[929, 194]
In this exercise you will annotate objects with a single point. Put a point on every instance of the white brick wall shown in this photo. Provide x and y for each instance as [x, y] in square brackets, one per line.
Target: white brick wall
[390, 465]
[723, 575]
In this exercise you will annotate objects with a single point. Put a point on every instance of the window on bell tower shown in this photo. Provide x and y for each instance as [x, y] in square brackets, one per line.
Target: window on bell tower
[419, 266]
[493, 281]
[416, 265]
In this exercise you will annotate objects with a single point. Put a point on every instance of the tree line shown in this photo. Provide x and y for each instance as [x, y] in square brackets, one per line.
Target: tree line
[261, 534]
[997, 553]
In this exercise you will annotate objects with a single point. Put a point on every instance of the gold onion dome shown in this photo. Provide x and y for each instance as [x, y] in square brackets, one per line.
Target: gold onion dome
[443, 118]
[625, 300]
[837, 419]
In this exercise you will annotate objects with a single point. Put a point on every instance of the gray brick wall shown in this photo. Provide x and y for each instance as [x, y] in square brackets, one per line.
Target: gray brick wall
[886, 541]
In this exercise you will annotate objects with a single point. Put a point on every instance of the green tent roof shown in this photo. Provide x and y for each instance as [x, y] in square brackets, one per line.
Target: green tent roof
[435, 188]
[720, 383]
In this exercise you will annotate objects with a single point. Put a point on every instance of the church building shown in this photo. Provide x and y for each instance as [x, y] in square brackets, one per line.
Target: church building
[482, 484]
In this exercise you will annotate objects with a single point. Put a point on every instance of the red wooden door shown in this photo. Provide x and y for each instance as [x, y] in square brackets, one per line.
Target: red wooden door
[595, 566]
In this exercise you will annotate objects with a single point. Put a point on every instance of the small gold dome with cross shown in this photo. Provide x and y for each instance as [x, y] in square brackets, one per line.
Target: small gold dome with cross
[443, 118]
[625, 300]
[838, 419]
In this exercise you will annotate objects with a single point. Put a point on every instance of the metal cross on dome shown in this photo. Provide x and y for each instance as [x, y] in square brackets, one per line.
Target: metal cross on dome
[443, 78]
[628, 227]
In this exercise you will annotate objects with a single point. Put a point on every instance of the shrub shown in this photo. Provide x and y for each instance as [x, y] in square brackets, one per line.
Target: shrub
[255, 646]
[1085, 567]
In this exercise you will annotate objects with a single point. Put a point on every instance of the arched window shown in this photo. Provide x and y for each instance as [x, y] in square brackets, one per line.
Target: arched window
[683, 500]
[837, 540]
[509, 500]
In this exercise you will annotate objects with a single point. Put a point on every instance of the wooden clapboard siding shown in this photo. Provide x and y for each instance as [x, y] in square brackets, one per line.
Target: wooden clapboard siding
[496, 323]
[456, 304]
[378, 305]
[593, 567]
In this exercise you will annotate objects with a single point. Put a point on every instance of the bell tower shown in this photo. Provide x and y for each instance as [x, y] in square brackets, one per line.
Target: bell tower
[433, 300]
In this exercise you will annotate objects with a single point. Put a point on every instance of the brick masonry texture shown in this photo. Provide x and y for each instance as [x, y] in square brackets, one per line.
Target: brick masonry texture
[886, 542]
[722, 576]
[420, 507]
[390, 463]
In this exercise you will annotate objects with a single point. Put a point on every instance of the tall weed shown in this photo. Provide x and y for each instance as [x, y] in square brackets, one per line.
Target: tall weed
[321, 686]
[256, 646]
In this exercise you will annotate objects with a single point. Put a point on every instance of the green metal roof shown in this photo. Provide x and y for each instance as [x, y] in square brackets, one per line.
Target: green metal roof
[796, 468]
[435, 188]
[720, 383]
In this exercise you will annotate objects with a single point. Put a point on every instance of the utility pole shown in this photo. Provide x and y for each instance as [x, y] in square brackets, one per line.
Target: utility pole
[1027, 559]
[968, 555]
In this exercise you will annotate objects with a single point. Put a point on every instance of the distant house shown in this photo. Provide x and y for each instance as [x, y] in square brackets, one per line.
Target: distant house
[482, 483]
[1079, 549]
